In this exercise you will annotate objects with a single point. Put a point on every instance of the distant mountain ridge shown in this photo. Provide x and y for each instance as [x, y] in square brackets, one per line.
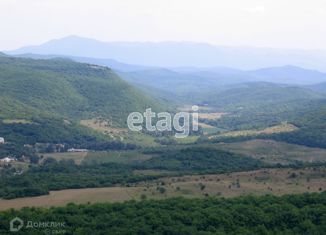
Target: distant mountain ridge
[192, 86]
[178, 54]
[111, 63]
[287, 74]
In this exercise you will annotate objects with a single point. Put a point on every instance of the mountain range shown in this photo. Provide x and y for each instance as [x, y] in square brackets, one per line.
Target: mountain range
[178, 54]
[49, 81]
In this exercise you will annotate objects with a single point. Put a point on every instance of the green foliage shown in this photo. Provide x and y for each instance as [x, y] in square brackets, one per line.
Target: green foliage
[295, 214]
[260, 96]
[47, 131]
[66, 88]
[53, 95]
[201, 159]
[312, 126]
[308, 116]
[53, 175]
[15, 150]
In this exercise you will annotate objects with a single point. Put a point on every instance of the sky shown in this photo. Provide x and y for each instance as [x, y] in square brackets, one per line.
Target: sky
[261, 23]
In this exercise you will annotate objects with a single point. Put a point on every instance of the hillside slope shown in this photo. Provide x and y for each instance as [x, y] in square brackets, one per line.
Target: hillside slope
[43, 101]
[65, 88]
[259, 95]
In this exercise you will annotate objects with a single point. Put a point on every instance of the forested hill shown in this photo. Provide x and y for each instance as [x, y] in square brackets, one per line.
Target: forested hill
[61, 87]
[43, 101]
[260, 95]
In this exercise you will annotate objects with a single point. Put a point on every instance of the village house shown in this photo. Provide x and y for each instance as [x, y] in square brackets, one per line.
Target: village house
[7, 159]
[72, 150]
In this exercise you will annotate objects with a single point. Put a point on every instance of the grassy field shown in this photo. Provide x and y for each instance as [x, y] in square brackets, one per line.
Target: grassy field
[63, 197]
[188, 108]
[100, 157]
[259, 182]
[104, 127]
[119, 134]
[16, 121]
[282, 128]
[140, 139]
[210, 116]
[125, 157]
[275, 152]
[187, 140]
[77, 157]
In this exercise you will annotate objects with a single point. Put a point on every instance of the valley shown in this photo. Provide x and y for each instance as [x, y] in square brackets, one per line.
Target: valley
[67, 142]
[162, 117]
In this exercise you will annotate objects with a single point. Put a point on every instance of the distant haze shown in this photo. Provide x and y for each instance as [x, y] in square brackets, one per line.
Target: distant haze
[178, 54]
[256, 23]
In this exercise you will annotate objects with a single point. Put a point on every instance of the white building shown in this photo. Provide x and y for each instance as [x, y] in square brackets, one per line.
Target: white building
[7, 159]
[72, 150]
[2, 140]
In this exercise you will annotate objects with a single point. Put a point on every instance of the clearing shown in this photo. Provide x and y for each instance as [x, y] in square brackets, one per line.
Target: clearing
[282, 128]
[210, 116]
[271, 151]
[16, 121]
[77, 157]
[258, 182]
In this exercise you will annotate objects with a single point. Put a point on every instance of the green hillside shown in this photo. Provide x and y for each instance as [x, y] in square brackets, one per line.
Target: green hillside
[44, 100]
[307, 115]
[65, 88]
[255, 106]
[259, 95]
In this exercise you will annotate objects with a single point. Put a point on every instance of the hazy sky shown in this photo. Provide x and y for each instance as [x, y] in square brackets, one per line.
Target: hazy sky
[269, 23]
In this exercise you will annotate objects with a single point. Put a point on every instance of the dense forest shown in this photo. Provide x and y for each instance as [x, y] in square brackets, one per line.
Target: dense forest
[61, 87]
[202, 160]
[48, 130]
[293, 214]
[21, 139]
[53, 175]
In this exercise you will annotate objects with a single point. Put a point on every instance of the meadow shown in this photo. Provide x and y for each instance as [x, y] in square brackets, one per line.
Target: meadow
[258, 182]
